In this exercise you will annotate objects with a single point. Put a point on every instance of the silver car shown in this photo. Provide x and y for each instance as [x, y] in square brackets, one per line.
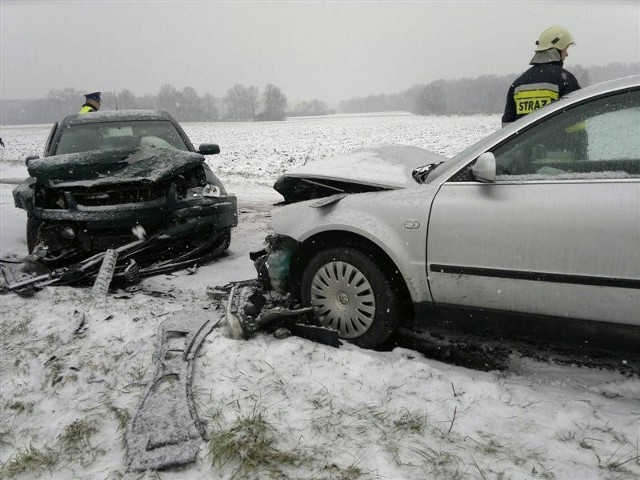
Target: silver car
[534, 229]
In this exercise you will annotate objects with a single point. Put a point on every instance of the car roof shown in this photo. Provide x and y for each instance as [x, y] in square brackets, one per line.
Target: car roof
[104, 116]
[632, 81]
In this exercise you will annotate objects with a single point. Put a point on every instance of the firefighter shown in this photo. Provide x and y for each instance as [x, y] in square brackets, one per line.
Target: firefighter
[91, 103]
[546, 81]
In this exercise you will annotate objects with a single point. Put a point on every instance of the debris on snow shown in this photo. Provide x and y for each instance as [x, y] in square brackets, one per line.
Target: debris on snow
[251, 308]
[166, 432]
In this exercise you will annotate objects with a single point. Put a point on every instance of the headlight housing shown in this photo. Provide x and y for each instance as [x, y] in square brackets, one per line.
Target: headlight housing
[208, 190]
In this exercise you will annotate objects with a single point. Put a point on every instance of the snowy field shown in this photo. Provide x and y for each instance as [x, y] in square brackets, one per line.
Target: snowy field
[290, 408]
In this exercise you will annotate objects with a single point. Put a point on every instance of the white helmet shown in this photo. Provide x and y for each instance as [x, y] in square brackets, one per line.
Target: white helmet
[554, 37]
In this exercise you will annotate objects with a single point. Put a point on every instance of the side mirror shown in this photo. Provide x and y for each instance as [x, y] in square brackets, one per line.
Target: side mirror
[208, 149]
[29, 158]
[484, 170]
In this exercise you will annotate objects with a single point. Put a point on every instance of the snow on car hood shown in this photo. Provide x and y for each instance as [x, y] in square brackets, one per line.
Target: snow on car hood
[106, 167]
[387, 166]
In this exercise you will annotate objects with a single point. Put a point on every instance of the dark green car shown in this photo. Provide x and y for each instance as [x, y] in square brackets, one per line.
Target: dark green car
[120, 179]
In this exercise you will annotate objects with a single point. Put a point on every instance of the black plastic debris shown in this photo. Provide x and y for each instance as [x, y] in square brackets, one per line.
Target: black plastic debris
[251, 308]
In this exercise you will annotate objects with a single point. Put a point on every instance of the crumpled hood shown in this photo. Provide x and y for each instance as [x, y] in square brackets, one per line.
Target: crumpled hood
[106, 167]
[387, 166]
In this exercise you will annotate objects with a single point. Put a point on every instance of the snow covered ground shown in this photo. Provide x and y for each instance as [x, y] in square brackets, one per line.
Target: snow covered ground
[285, 409]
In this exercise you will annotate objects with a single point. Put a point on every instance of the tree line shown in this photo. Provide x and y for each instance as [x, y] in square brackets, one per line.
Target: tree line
[240, 103]
[466, 96]
[485, 94]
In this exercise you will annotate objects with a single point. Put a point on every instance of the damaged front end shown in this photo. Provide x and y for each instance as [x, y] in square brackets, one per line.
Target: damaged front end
[82, 204]
[273, 263]
[267, 304]
[314, 197]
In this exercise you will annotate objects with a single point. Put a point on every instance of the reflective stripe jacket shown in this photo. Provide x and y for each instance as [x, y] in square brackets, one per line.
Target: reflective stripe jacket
[540, 85]
[87, 108]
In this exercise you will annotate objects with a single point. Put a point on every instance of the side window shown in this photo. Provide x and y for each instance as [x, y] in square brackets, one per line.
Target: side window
[598, 139]
[48, 145]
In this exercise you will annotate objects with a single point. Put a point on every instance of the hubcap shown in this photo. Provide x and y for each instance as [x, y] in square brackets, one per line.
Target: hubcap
[343, 299]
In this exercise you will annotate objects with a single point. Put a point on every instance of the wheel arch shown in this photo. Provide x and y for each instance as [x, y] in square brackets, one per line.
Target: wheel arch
[330, 239]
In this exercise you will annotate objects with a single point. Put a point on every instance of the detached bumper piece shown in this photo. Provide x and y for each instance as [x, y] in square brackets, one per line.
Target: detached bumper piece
[166, 431]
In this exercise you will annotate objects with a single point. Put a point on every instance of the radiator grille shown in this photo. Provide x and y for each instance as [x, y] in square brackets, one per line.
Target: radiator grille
[117, 196]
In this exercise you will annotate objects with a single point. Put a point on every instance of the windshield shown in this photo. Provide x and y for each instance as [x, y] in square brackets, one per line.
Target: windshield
[110, 135]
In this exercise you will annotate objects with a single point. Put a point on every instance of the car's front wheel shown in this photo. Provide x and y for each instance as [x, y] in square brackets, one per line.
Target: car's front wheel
[222, 244]
[351, 294]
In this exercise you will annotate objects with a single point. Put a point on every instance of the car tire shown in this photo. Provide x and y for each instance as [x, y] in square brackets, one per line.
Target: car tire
[227, 241]
[218, 245]
[351, 294]
[223, 243]
[33, 225]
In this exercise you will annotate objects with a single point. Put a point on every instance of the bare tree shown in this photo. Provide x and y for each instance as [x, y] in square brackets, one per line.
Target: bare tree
[233, 102]
[428, 99]
[275, 103]
[209, 108]
[311, 107]
[169, 99]
[126, 100]
[241, 103]
[251, 99]
[190, 106]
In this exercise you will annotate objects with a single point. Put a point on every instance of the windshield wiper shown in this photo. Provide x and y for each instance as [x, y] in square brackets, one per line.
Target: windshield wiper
[420, 174]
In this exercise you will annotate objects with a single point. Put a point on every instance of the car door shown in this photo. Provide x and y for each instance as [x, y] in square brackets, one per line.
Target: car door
[558, 232]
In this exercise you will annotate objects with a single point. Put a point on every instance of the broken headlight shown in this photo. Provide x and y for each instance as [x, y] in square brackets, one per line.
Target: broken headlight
[208, 190]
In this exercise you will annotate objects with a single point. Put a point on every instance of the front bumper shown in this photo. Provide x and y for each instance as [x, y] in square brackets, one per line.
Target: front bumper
[94, 228]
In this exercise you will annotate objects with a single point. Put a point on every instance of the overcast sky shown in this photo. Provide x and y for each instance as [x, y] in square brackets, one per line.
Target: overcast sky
[328, 50]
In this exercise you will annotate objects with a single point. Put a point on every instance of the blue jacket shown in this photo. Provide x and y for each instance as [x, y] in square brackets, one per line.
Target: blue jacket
[542, 84]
